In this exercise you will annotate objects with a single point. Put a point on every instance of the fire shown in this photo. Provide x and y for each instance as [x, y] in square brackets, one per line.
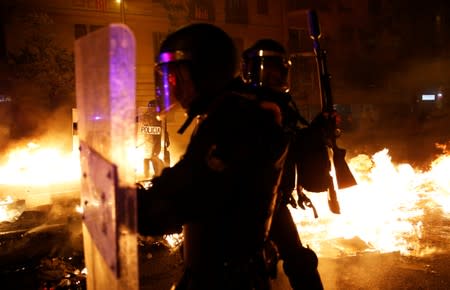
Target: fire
[383, 213]
[8, 209]
[36, 165]
[31, 174]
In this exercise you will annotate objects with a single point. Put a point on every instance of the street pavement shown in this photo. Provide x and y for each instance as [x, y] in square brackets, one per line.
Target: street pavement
[371, 271]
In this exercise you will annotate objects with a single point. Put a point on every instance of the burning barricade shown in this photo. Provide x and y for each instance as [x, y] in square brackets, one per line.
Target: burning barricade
[40, 228]
[394, 208]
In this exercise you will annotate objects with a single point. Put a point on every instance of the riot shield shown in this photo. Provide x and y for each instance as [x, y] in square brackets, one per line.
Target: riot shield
[106, 110]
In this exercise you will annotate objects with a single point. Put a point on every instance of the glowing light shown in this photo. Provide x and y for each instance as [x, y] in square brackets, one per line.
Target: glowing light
[428, 97]
[174, 240]
[383, 213]
[79, 209]
[31, 173]
[36, 165]
[9, 211]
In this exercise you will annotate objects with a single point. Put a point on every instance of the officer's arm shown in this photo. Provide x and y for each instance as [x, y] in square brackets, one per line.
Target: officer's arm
[160, 207]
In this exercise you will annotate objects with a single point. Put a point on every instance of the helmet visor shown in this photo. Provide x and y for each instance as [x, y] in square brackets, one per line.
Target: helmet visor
[166, 88]
[173, 82]
[267, 69]
[274, 73]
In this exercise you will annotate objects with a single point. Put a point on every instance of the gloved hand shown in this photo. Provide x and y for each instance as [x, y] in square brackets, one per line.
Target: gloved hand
[328, 124]
[303, 201]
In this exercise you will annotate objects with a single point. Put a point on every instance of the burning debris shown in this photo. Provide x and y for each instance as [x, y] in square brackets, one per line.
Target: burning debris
[386, 212]
[41, 245]
[11, 210]
[34, 165]
[160, 261]
[395, 208]
[62, 273]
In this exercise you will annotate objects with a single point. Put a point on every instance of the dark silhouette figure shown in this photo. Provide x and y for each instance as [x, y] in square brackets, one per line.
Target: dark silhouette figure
[222, 192]
[265, 72]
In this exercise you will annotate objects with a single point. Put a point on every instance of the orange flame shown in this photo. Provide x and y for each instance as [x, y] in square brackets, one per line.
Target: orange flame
[33, 173]
[383, 213]
[34, 165]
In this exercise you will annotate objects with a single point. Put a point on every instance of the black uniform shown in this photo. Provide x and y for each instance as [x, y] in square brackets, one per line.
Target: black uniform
[299, 263]
[224, 194]
[265, 71]
[151, 130]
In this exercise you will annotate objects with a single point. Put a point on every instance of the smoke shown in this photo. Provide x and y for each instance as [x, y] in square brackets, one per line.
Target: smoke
[37, 124]
[392, 115]
[421, 75]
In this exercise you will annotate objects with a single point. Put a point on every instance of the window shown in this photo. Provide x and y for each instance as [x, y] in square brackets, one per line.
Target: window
[236, 11]
[262, 7]
[83, 29]
[101, 5]
[302, 77]
[299, 40]
[202, 10]
[307, 4]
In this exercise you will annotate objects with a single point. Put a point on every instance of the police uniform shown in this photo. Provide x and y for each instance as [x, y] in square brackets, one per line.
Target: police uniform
[265, 72]
[151, 129]
[223, 191]
[224, 195]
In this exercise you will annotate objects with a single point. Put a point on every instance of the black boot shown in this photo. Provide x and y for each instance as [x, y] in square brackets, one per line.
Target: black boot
[301, 270]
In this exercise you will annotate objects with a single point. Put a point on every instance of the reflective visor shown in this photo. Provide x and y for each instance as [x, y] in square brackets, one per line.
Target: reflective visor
[274, 73]
[165, 86]
[169, 80]
[268, 69]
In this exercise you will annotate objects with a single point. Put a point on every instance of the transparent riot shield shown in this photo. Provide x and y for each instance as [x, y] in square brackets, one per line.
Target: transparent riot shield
[106, 110]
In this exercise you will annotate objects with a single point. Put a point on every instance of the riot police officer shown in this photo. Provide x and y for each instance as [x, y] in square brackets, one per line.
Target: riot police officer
[150, 127]
[265, 70]
[223, 190]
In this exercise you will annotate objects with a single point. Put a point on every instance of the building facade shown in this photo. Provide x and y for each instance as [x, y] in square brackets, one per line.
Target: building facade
[372, 45]
[245, 21]
[150, 20]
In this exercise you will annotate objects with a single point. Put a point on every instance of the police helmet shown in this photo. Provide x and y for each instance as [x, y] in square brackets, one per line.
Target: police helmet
[195, 63]
[153, 104]
[266, 64]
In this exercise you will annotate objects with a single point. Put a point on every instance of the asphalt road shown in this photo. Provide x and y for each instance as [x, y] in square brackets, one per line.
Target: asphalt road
[373, 271]
[382, 271]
